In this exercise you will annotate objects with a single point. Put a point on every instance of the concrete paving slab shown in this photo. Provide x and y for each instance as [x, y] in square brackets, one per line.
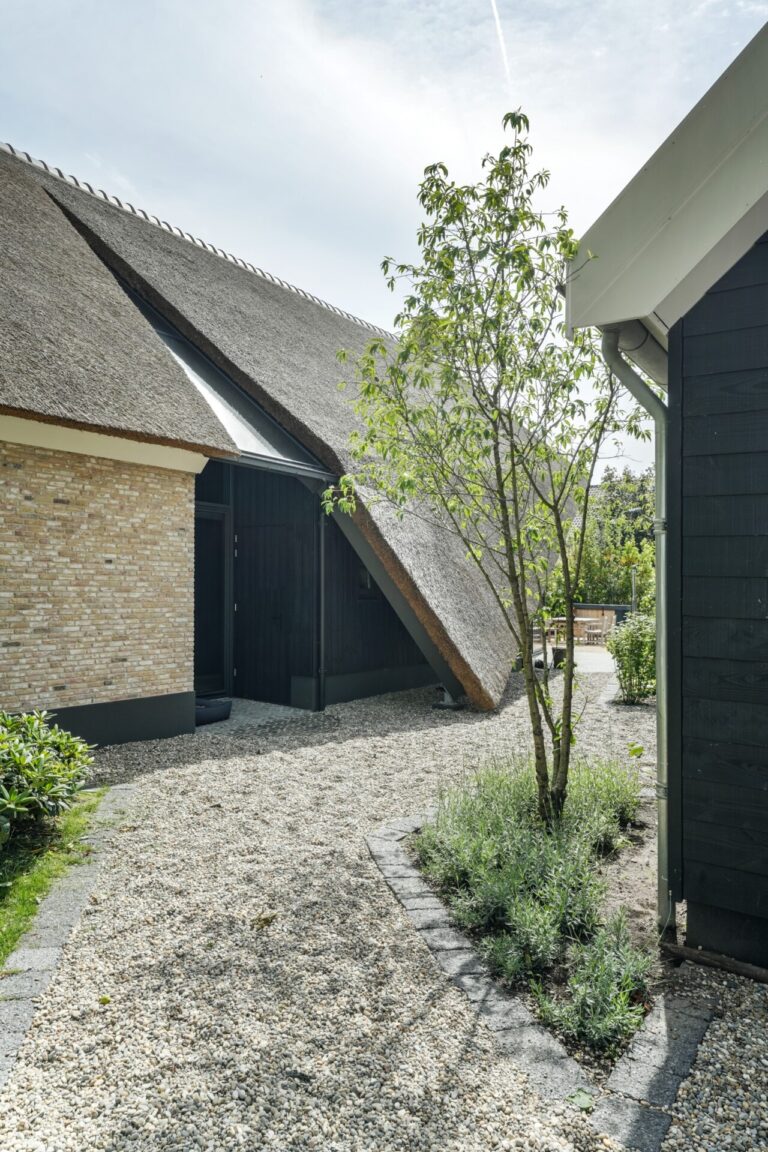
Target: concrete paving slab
[426, 902]
[459, 962]
[444, 939]
[636, 1126]
[402, 870]
[428, 917]
[23, 985]
[35, 959]
[408, 886]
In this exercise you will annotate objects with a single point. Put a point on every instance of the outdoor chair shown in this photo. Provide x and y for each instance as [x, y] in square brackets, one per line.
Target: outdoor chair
[595, 633]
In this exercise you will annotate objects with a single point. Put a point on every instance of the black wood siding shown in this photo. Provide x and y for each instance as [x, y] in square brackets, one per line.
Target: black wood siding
[363, 632]
[276, 588]
[719, 590]
[275, 520]
[213, 601]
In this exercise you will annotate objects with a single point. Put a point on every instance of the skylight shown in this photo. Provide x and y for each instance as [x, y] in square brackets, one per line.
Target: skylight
[258, 437]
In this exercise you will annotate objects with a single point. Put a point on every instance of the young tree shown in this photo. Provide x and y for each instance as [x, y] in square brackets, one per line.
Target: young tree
[485, 417]
[619, 539]
[630, 497]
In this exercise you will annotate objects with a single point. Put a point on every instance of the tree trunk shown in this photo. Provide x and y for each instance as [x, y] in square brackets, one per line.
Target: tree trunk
[562, 748]
[537, 728]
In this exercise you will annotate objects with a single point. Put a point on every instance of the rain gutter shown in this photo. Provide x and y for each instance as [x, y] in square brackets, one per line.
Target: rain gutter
[657, 409]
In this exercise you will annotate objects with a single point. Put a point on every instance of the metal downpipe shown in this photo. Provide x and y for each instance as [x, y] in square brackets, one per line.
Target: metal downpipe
[656, 408]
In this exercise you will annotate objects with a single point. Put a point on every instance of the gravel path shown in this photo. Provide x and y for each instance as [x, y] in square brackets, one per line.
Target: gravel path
[723, 1104]
[243, 979]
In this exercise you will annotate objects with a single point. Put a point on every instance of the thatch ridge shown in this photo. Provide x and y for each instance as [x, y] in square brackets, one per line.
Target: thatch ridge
[126, 206]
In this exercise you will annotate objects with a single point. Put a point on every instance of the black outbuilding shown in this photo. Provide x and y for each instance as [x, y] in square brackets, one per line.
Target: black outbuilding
[718, 614]
[675, 274]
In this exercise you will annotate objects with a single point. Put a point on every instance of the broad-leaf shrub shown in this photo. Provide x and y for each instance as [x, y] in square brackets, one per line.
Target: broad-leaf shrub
[42, 768]
[633, 647]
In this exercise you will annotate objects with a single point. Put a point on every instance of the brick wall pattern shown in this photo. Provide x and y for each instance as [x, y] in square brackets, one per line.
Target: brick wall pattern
[96, 579]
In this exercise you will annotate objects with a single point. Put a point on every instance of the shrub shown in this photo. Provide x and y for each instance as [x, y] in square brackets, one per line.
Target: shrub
[607, 990]
[531, 945]
[573, 893]
[533, 894]
[603, 798]
[535, 928]
[633, 647]
[42, 768]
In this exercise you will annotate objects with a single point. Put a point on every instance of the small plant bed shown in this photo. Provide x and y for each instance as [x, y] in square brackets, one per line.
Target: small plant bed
[44, 815]
[534, 898]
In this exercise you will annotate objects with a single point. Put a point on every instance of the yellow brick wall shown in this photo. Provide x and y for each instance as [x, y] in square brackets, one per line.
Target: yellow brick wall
[96, 579]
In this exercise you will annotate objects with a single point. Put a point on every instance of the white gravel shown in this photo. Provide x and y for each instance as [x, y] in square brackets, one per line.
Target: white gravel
[723, 1104]
[244, 980]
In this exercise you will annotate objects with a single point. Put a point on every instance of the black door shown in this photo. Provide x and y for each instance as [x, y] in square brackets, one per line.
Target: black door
[264, 624]
[213, 600]
[275, 584]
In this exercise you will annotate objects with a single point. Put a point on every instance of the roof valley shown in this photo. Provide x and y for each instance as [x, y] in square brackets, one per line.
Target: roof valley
[174, 230]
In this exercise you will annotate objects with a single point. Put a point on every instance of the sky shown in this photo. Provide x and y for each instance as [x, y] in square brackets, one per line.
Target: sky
[294, 132]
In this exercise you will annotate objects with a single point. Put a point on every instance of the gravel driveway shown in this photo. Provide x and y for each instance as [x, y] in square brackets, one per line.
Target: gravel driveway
[264, 991]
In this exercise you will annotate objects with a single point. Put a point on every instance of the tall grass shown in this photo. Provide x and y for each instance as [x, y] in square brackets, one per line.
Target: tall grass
[533, 895]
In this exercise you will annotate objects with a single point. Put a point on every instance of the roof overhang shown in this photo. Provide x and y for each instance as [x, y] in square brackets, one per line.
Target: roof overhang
[56, 435]
[686, 218]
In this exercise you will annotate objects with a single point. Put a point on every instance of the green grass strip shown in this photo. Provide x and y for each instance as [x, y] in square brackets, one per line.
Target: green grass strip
[31, 861]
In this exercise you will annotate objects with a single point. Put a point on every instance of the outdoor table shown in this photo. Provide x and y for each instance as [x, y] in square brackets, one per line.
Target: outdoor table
[557, 624]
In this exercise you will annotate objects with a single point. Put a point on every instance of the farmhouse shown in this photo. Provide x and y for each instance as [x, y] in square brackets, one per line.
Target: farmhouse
[675, 273]
[169, 416]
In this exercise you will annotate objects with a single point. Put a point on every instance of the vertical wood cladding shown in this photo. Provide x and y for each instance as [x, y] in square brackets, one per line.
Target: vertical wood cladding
[213, 600]
[721, 384]
[363, 632]
[96, 571]
[275, 583]
[277, 590]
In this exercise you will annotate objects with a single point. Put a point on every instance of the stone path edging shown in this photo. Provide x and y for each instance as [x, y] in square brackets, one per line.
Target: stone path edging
[633, 1105]
[30, 968]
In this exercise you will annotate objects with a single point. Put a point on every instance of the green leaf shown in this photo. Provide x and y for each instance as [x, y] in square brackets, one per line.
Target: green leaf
[582, 1100]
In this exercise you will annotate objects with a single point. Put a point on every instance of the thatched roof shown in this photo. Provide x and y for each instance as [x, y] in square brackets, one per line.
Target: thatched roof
[73, 349]
[280, 345]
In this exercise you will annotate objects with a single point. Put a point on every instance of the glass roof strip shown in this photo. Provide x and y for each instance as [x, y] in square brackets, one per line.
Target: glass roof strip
[254, 433]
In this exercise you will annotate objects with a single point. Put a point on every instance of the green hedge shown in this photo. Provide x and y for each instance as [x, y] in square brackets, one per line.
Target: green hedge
[633, 647]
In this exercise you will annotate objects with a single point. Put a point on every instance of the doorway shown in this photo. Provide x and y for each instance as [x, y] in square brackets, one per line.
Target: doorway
[213, 601]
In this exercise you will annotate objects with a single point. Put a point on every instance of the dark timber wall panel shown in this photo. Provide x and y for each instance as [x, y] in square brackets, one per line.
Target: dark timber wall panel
[729, 392]
[719, 617]
[275, 583]
[276, 578]
[363, 632]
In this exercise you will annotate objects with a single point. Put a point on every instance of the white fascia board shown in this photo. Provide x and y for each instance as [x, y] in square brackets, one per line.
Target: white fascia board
[59, 438]
[719, 260]
[689, 214]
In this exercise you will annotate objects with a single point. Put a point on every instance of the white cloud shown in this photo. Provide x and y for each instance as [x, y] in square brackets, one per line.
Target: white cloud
[294, 133]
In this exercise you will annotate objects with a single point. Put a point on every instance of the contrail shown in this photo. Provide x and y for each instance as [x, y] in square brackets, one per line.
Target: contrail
[502, 46]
